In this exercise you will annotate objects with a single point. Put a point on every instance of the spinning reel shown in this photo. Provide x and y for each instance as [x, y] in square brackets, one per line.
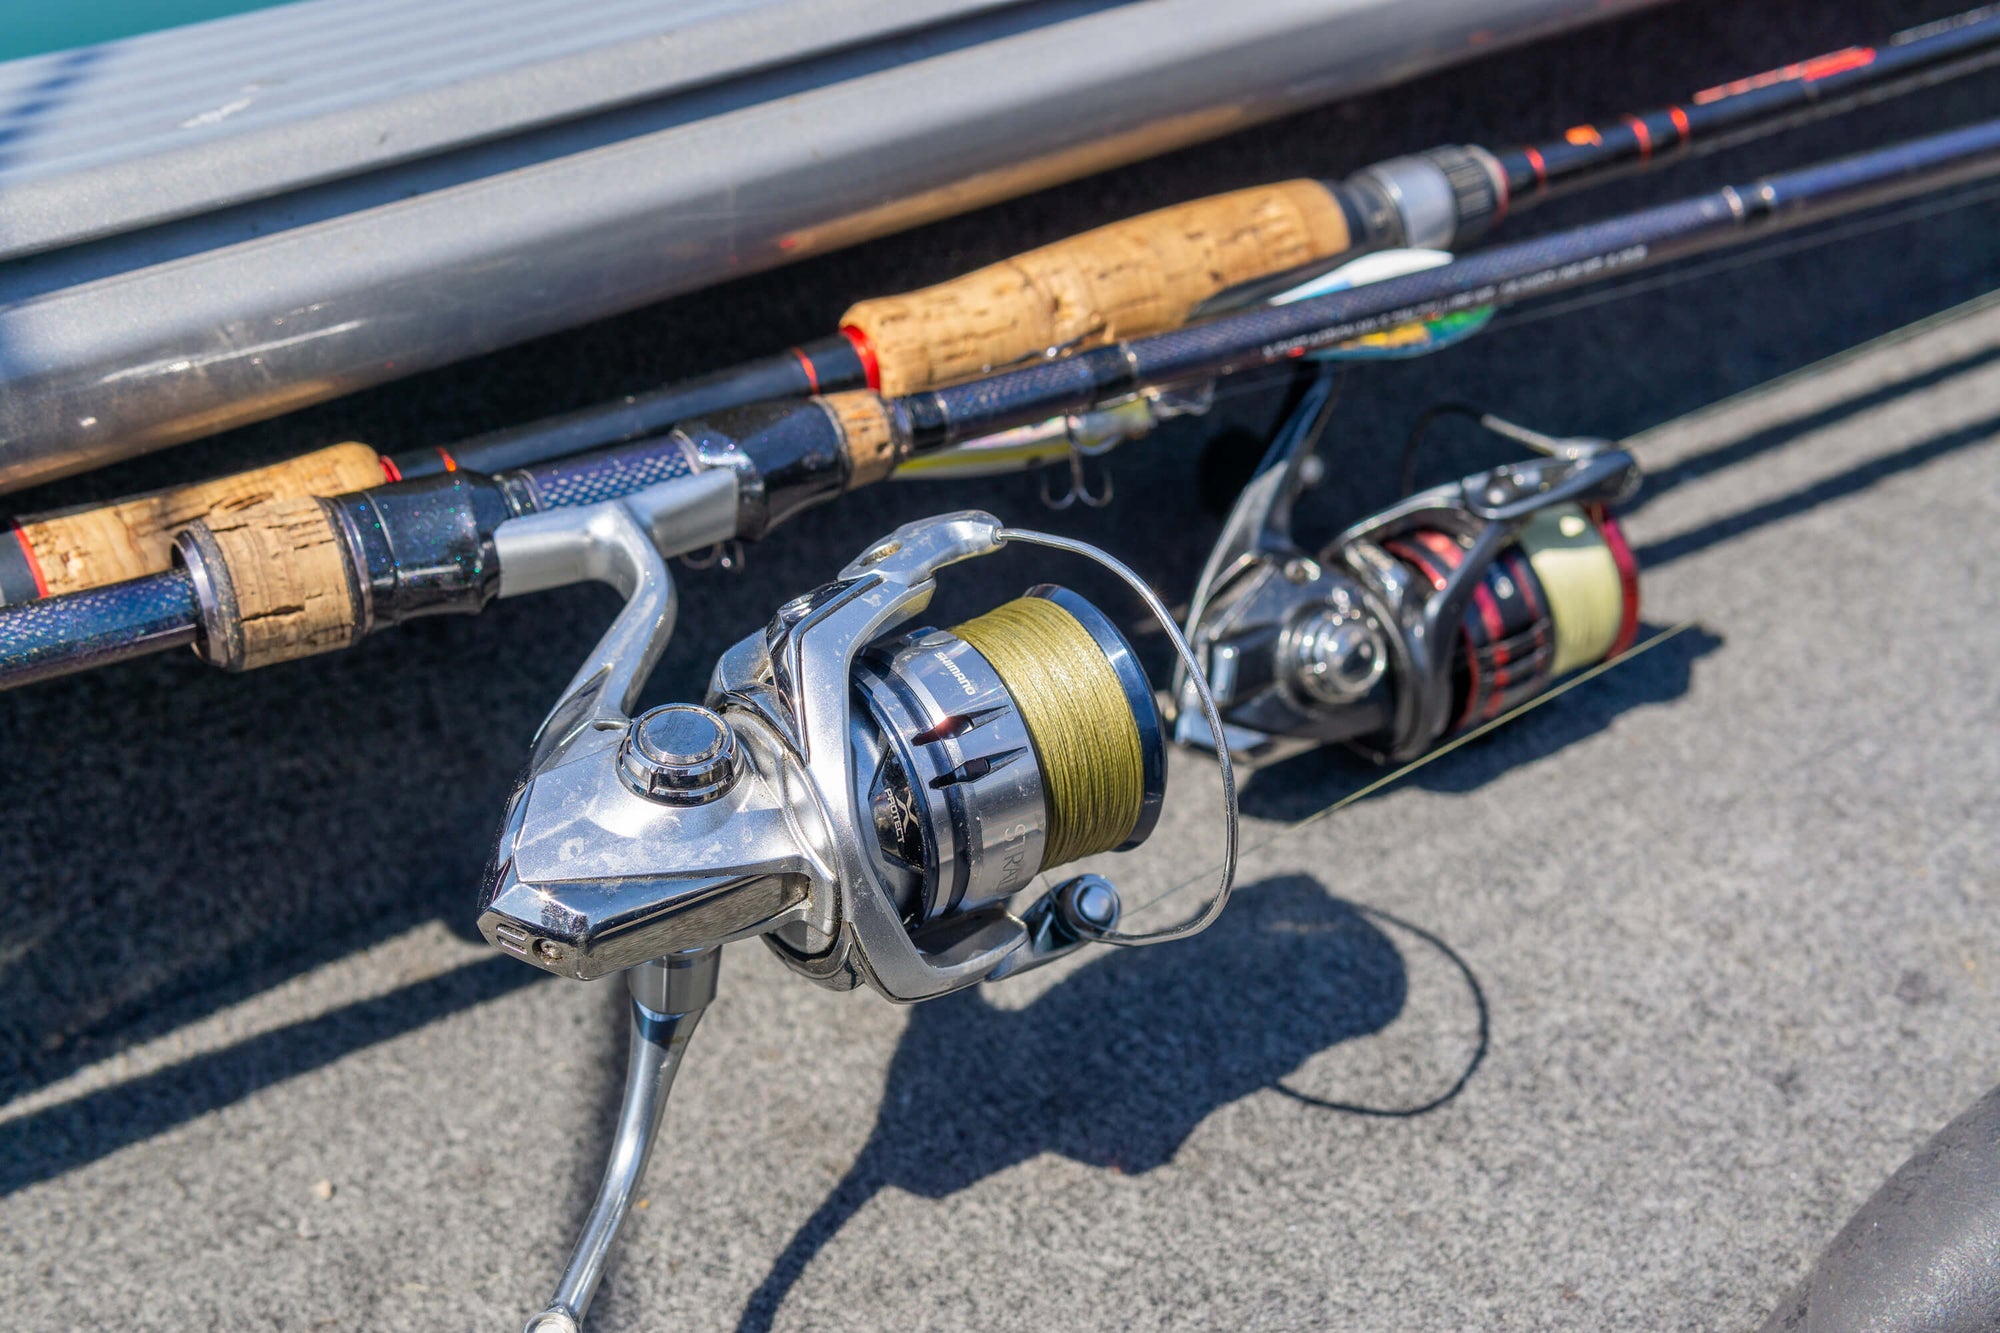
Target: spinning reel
[871, 799]
[1434, 616]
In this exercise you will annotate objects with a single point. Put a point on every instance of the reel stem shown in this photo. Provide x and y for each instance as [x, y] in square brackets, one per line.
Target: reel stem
[668, 997]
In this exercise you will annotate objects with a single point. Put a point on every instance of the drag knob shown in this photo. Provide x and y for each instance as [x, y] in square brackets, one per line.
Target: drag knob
[1338, 655]
[681, 754]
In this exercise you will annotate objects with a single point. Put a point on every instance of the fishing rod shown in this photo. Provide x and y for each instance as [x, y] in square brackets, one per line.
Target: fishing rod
[296, 577]
[1128, 279]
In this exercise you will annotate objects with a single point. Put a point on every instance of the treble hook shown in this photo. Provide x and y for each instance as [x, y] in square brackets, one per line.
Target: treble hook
[1079, 484]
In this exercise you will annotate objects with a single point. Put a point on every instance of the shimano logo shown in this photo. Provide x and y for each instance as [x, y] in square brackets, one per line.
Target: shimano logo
[944, 660]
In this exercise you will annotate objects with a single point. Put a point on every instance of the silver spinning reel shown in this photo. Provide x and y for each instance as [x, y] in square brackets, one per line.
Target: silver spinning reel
[875, 801]
[1424, 621]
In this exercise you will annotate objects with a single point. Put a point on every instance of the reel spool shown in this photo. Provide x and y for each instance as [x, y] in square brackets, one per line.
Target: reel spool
[1563, 596]
[1022, 740]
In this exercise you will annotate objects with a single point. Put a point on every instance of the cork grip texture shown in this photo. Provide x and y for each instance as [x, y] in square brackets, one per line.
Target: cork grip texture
[867, 435]
[135, 537]
[289, 569]
[1125, 280]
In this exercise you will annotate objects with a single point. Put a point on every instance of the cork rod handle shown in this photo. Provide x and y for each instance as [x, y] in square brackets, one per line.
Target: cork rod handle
[867, 433]
[281, 584]
[132, 538]
[1126, 280]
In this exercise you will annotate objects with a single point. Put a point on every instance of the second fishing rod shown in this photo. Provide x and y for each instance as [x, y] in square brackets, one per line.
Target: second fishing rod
[297, 577]
[1129, 279]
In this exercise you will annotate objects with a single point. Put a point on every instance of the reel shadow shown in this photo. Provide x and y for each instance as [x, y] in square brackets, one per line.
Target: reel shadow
[1306, 784]
[1118, 1064]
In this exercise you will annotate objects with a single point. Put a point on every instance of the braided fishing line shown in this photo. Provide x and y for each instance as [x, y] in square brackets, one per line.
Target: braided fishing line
[1463, 738]
[1077, 717]
[1581, 584]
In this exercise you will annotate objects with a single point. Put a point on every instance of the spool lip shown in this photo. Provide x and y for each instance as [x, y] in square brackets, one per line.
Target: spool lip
[1628, 575]
[1138, 694]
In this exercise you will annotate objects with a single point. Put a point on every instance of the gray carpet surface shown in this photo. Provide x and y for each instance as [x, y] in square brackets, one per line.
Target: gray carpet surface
[1606, 1020]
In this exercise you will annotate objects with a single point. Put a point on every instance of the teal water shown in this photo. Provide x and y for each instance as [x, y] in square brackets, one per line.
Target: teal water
[32, 27]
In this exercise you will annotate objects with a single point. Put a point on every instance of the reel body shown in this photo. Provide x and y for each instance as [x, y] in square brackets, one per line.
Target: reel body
[1436, 615]
[1562, 595]
[867, 797]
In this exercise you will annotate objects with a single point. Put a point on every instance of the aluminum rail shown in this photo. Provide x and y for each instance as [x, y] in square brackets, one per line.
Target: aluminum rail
[126, 135]
[480, 197]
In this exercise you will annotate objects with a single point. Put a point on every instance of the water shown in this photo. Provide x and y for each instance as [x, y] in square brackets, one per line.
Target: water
[32, 27]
